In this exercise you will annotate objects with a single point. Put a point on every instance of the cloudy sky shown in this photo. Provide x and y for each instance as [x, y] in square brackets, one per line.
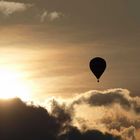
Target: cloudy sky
[46, 46]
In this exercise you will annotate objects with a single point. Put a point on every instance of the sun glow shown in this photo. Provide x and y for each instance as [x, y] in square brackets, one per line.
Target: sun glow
[13, 85]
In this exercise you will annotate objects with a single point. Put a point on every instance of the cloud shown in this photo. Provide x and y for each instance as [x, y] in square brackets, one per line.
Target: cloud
[110, 97]
[51, 16]
[8, 8]
[114, 110]
[75, 134]
[43, 16]
[55, 15]
[119, 119]
[21, 121]
[128, 133]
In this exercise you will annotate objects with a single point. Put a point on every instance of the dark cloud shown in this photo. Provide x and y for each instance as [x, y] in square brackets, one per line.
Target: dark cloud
[19, 121]
[74, 134]
[28, 122]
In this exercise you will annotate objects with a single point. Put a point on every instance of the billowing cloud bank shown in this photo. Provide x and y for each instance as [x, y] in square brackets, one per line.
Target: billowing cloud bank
[110, 97]
[120, 111]
[27, 122]
[109, 115]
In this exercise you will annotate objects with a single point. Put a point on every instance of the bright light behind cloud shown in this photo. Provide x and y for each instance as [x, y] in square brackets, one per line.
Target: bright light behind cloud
[12, 85]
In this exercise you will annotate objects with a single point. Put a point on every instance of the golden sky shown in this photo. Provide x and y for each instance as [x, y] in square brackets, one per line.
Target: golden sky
[52, 42]
[46, 47]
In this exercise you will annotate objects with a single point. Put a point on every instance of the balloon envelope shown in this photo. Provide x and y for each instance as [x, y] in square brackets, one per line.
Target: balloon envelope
[98, 66]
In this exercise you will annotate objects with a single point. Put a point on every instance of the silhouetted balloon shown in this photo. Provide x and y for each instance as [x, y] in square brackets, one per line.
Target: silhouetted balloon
[98, 66]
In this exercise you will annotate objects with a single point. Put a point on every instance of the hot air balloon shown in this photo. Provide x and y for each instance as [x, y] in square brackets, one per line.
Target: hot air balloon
[97, 66]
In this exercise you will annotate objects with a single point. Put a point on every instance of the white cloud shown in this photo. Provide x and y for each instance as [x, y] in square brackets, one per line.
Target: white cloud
[8, 8]
[51, 16]
[43, 16]
[55, 15]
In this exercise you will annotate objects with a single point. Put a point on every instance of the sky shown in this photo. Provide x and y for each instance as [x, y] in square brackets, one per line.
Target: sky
[46, 47]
